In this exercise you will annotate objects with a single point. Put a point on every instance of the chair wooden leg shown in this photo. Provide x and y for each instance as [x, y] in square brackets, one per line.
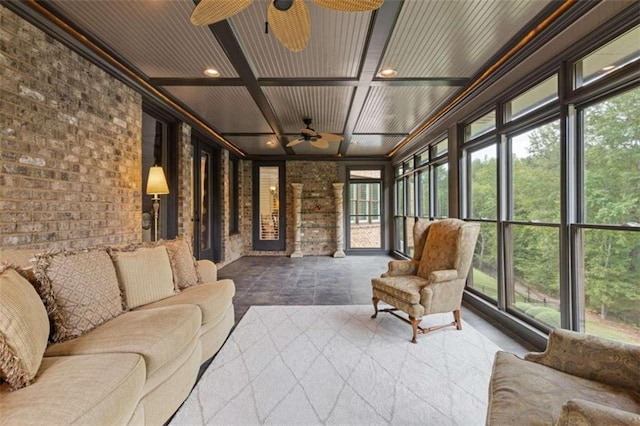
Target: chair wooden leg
[375, 301]
[414, 326]
[456, 316]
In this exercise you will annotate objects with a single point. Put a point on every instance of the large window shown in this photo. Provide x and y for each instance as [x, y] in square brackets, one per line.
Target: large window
[421, 190]
[608, 235]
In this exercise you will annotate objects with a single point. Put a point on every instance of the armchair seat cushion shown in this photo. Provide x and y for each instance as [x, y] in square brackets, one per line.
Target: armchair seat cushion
[406, 288]
[523, 392]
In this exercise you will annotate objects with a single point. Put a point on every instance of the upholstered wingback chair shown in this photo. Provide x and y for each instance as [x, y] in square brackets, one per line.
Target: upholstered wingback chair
[433, 280]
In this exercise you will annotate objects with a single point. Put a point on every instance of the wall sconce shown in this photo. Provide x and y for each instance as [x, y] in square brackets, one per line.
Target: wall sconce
[156, 185]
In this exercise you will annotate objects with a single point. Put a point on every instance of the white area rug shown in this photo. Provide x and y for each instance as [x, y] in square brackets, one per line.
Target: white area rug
[303, 365]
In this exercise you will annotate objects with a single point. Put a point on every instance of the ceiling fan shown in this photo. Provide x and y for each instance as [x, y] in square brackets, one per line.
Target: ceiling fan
[289, 19]
[319, 140]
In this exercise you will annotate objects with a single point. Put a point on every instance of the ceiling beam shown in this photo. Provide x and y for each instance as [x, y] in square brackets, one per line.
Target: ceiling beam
[309, 82]
[431, 81]
[223, 32]
[383, 21]
[173, 81]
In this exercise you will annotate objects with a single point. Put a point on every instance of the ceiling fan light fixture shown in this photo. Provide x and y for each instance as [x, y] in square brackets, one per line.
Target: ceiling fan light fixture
[209, 12]
[350, 5]
[212, 72]
[388, 72]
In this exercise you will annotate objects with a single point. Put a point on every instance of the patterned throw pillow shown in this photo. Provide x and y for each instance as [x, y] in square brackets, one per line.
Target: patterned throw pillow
[24, 328]
[80, 290]
[183, 265]
[144, 274]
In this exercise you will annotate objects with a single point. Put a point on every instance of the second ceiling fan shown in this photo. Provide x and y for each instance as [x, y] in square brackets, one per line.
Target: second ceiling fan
[319, 140]
[289, 19]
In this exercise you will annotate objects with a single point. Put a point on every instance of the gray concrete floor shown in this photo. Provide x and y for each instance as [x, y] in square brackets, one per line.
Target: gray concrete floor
[323, 280]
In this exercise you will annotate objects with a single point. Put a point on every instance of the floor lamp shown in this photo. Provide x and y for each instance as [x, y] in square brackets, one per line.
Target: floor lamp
[156, 185]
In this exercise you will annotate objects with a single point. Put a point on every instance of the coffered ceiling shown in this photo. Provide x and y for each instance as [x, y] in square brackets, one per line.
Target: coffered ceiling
[258, 103]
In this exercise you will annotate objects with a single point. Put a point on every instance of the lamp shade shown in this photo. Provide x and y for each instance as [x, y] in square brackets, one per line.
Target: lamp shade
[157, 183]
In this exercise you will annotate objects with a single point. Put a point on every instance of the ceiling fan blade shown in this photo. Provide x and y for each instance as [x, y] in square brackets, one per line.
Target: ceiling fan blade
[295, 142]
[211, 11]
[330, 137]
[309, 132]
[320, 143]
[350, 5]
[291, 27]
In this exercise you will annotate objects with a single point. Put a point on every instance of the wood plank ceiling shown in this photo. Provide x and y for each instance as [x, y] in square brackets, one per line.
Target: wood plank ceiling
[258, 103]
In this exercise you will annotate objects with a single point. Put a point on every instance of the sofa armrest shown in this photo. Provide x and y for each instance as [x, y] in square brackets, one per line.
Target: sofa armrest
[398, 268]
[591, 357]
[442, 296]
[207, 270]
[579, 411]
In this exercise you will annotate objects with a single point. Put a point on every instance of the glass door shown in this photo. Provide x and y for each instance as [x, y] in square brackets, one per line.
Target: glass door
[207, 204]
[269, 206]
[365, 209]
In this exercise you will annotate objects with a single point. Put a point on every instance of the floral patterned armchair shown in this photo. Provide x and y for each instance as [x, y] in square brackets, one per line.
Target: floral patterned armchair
[433, 280]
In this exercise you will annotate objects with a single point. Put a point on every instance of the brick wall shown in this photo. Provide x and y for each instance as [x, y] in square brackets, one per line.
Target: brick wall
[185, 182]
[70, 153]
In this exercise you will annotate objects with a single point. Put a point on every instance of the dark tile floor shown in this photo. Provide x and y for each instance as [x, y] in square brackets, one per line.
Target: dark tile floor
[323, 280]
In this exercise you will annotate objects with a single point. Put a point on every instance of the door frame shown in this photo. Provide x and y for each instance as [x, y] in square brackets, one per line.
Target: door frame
[347, 209]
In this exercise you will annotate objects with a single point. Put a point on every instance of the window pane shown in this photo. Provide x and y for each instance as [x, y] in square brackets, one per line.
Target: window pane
[423, 157]
[423, 181]
[482, 125]
[440, 148]
[536, 174]
[400, 197]
[611, 277]
[613, 56]
[408, 165]
[534, 98]
[442, 190]
[399, 170]
[536, 273]
[365, 174]
[410, 222]
[399, 233]
[269, 203]
[612, 160]
[411, 202]
[484, 273]
[483, 197]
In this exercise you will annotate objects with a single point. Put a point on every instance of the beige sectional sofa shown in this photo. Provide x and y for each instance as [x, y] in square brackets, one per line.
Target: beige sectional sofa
[135, 368]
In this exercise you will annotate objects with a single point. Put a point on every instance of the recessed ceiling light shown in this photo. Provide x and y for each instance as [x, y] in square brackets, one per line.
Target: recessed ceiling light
[608, 68]
[212, 72]
[388, 72]
[271, 143]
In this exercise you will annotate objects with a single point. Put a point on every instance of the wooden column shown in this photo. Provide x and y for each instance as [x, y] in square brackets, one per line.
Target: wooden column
[337, 195]
[297, 220]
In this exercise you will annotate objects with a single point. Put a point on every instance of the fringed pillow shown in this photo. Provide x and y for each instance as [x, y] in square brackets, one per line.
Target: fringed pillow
[80, 290]
[24, 328]
[183, 264]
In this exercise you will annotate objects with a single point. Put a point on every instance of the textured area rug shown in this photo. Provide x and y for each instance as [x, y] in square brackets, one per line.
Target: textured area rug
[303, 365]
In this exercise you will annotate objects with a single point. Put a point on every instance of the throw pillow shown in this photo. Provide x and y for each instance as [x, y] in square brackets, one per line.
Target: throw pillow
[80, 290]
[144, 274]
[24, 328]
[183, 265]
[441, 247]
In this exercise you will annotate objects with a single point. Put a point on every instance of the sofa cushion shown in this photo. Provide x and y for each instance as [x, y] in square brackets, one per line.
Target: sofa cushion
[160, 335]
[212, 298]
[91, 390]
[183, 264]
[24, 328]
[441, 247]
[523, 392]
[80, 290]
[144, 274]
[406, 288]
